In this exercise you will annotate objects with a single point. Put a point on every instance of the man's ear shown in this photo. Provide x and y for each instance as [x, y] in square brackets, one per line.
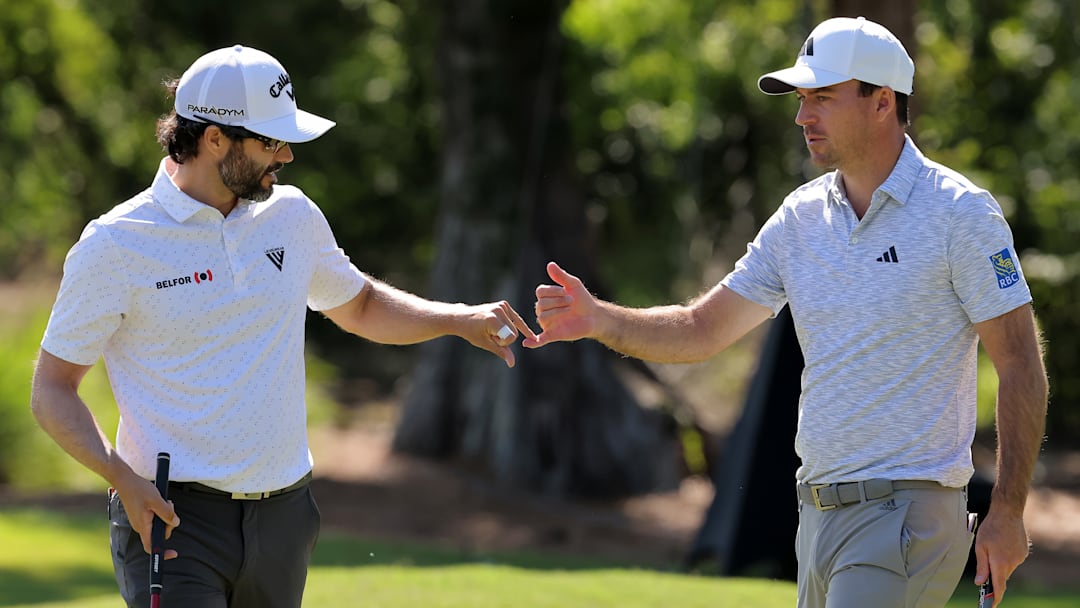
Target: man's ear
[215, 143]
[884, 101]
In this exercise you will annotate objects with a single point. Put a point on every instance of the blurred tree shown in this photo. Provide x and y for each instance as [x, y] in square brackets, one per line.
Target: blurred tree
[67, 140]
[562, 422]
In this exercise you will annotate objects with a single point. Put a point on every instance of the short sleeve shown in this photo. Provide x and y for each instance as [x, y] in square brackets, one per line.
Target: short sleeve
[756, 275]
[334, 279]
[983, 262]
[92, 300]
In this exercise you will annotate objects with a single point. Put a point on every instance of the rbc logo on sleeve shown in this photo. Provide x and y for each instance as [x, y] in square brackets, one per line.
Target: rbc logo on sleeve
[1005, 269]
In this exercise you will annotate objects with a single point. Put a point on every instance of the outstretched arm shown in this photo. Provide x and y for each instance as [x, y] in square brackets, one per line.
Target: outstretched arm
[1012, 343]
[679, 333]
[60, 411]
[382, 313]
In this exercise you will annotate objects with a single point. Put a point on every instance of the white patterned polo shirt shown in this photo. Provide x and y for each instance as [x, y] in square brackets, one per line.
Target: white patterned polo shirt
[884, 309]
[200, 319]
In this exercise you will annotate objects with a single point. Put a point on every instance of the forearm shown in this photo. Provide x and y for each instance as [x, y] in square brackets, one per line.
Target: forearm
[679, 333]
[1021, 423]
[665, 334]
[389, 315]
[65, 417]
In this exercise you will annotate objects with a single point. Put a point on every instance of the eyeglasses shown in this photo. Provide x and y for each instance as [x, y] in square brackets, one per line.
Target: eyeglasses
[269, 144]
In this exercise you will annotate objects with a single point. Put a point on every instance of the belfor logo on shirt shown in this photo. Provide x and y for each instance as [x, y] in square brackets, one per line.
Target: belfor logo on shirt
[1005, 269]
[196, 277]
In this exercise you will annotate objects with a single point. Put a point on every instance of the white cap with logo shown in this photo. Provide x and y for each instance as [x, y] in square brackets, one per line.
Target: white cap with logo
[244, 87]
[842, 49]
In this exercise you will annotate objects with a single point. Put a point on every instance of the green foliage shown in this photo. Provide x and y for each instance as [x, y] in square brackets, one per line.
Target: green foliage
[17, 427]
[29, 459]
[988, 387]
[670, 128]
[680, 157]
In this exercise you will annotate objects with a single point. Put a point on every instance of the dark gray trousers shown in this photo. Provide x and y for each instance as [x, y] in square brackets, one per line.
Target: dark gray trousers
[232, 553]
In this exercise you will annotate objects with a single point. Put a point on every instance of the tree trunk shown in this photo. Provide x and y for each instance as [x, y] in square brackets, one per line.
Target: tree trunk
[561, 421]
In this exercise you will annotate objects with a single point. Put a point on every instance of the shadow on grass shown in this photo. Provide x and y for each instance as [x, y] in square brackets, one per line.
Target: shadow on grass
[426, 514]
[345, 549]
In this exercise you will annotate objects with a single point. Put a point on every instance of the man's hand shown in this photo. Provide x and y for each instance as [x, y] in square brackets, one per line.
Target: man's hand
[494, 327]
[566, 311]
[141, 502]
[1001, 545]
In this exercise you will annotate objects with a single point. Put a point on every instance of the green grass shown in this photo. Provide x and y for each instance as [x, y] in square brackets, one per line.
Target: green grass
[54, 560]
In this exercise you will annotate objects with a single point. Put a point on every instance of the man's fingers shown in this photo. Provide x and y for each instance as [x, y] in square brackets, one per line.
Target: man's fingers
[520, 323]
[562, 277]
[505, 332]
[549, 291]
[167, 513]
[540, 340]
[163, 510]
[506, 354]
[982, 566]
[508, 328]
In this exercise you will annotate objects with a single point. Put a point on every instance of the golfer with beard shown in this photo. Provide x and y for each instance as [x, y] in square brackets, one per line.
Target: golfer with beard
[195, 292]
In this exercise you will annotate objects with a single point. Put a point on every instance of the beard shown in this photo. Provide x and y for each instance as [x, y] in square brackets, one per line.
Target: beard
[243, 176]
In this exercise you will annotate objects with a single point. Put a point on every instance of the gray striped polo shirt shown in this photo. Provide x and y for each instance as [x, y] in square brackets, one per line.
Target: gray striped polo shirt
[884, 310]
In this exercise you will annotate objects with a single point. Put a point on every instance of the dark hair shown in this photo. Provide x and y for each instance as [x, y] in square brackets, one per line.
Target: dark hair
[866, 89]
[177, 135]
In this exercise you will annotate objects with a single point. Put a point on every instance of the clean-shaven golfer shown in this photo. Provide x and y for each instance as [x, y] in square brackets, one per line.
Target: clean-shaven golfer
[195, 291]
[895, 269]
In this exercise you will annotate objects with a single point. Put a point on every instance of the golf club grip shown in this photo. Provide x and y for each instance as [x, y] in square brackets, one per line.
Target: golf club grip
[986, 594]
[157, 532]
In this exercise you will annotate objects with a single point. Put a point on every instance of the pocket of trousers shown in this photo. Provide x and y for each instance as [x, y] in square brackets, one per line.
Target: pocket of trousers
[874, 534]
[122, 538]
[119, 527]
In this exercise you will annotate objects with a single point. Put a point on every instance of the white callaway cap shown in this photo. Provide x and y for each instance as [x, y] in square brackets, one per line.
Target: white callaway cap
[244, 87]
[842, 49]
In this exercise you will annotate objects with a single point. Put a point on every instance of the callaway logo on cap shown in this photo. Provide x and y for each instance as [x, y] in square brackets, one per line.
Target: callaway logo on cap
[244, 87]
[843, 49]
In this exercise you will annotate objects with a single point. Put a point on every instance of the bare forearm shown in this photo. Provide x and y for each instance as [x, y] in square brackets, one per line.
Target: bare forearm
[665, 334]
[679, 333]
[1021, 423]
[393, 316]
[65, 418]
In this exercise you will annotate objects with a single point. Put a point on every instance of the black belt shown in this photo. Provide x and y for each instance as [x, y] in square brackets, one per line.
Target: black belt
[205, 489]
[829, 496]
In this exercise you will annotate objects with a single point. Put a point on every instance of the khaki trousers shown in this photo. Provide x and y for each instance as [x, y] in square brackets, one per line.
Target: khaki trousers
[906, 550]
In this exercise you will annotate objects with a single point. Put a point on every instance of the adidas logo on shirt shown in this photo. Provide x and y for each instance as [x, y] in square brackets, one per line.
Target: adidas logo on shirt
[889, 256]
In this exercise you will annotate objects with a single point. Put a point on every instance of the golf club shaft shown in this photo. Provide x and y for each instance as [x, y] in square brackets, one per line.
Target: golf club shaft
[157, 532]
